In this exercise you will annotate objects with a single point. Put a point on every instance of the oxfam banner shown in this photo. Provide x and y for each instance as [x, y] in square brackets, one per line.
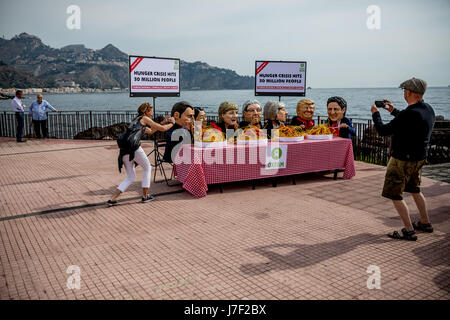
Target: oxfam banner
[276, 156]
[154, 77]
[280, 78]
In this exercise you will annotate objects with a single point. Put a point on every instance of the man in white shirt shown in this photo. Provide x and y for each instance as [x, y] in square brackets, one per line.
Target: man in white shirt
[38, 112]
[19, 107]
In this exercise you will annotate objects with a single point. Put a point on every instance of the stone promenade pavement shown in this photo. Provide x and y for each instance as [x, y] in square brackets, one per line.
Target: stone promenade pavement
[313, 240]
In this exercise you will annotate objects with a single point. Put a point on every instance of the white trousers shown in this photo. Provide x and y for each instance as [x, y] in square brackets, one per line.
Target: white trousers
[141, 159]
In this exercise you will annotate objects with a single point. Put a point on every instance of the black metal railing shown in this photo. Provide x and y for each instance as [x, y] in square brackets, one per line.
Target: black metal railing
[368, 146]
[65, 124]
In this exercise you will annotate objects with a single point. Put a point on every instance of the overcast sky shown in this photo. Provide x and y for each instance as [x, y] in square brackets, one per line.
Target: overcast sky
[332, 36]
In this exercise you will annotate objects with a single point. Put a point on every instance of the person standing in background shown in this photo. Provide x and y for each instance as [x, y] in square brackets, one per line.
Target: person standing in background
[39, 116]
[19, 107]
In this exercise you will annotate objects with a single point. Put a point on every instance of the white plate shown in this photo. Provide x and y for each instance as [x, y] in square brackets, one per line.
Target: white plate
[220, 144]
[260, 142]
[291, 139]
[319, 136]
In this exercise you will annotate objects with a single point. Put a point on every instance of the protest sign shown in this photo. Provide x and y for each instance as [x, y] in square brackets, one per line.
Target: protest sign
[280, 78]
[154, 77]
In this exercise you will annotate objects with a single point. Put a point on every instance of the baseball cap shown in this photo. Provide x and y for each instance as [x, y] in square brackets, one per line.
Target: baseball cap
[414, 85]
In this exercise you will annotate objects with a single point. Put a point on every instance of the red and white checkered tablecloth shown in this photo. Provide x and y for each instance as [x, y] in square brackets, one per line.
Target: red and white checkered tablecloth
[247, 162]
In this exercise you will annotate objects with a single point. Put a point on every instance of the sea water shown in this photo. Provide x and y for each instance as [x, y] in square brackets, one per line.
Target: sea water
[359, 100]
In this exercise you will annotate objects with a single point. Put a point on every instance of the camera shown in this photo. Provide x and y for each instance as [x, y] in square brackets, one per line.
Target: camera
[380, 104]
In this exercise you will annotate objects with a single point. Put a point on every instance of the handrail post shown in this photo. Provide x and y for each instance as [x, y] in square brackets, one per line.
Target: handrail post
[4, 123]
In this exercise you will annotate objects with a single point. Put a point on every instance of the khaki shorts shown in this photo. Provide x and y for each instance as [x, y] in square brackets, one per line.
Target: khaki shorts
[402, 176]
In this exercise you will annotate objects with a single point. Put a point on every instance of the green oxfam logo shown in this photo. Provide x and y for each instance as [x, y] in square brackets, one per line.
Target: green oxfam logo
[302, 67]
[276, 153]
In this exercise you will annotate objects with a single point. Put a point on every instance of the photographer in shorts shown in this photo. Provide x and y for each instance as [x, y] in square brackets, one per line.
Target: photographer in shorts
[410, 130]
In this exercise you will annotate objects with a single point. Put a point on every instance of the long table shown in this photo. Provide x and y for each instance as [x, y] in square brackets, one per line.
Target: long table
[237, 162]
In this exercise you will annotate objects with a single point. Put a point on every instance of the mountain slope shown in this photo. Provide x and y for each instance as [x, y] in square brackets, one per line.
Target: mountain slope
[13, 78]
[105, 68]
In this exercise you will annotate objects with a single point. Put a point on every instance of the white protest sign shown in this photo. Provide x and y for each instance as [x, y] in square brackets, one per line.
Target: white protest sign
[153, 77]
[280, 78]
[276, 156]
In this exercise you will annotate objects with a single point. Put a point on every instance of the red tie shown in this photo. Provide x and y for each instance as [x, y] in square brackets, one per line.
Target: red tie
[336, 131]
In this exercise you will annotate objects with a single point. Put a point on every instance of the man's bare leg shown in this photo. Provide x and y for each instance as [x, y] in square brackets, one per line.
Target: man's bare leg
[403, 212]
[144, 192]
[421, 206]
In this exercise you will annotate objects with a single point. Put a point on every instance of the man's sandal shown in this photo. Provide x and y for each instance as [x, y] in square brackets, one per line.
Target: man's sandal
[407, 235]
[424, 227]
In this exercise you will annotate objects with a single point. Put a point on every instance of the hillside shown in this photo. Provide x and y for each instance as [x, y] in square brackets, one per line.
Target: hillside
[104, 69]
[13, 78]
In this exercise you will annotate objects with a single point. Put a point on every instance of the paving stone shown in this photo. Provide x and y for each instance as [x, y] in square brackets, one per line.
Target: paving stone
[313, 240]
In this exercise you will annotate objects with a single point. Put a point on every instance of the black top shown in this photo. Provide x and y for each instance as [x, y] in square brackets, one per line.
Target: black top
[269, 126]
[135, 132]
[221, 127]
[344, 132]
[410, 130]
[184, 136]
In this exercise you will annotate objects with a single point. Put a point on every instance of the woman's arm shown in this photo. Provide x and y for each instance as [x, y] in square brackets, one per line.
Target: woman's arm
[156, 126]
[167, 119]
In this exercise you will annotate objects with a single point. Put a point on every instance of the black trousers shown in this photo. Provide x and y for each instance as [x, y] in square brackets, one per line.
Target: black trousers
[19, 129]
[40, 126]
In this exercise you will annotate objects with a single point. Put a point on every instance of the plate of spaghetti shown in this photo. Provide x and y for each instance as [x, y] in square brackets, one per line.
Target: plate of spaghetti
[251, 135]
[289, 134]
[209, 138]
[319, 132]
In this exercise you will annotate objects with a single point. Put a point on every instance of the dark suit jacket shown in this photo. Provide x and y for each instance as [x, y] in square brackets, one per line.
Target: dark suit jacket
[269, 126]
[186, 138]
[345, 132]
[297, 121]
